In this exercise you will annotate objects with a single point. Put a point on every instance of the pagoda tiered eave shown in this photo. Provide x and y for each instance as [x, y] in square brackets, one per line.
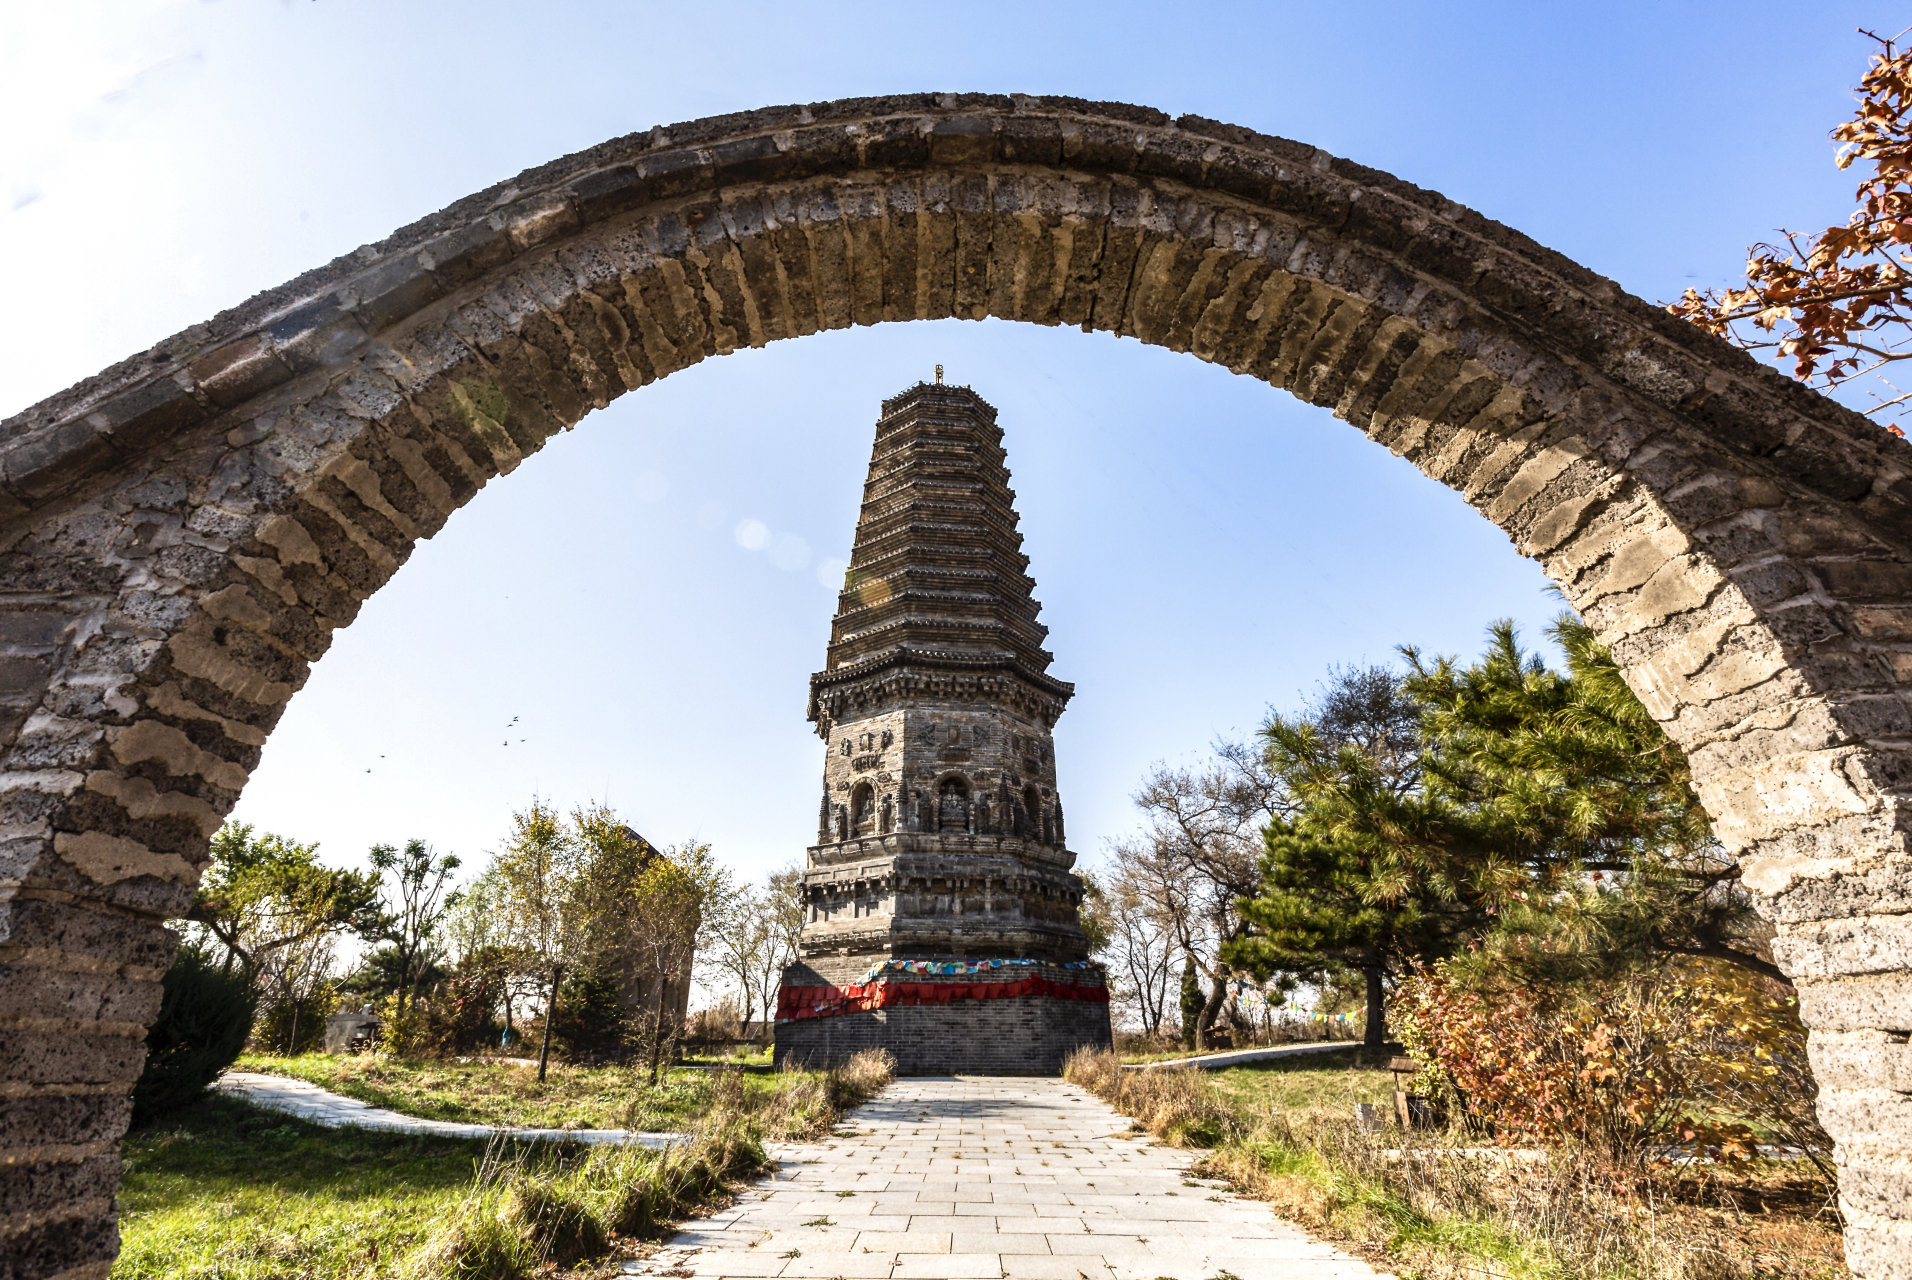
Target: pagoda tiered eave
[907, 673]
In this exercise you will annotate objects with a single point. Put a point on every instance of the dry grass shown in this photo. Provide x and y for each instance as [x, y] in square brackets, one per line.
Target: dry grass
[1138, 1048]
[1414, 1202]
[531, 1210]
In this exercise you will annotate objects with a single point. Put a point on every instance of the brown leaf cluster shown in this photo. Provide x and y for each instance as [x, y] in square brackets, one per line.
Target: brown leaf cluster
[1836, 304]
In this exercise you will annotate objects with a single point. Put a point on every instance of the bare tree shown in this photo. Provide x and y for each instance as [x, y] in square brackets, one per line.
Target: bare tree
[1198, 853]
[755, 936]
[294, 975]
[784, 899]
[545, 912]
[1142, 936]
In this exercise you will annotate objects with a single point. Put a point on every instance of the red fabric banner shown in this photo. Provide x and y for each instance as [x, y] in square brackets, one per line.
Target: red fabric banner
[794, 1003]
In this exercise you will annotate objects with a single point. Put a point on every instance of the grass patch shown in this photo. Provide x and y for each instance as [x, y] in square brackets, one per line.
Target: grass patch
[1143, 1055]
[1417, 1204]
[499, 1093]
[1325, 1078]
[229, 1191]
[747, 1056]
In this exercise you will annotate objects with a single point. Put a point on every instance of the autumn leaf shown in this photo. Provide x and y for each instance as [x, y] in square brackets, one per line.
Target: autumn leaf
[1839, 293]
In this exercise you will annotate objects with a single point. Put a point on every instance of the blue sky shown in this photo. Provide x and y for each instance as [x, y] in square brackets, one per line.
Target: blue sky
[1203, 546]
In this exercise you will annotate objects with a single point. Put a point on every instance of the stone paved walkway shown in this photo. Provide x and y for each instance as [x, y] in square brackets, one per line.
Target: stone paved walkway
[322, 1106]
[982, 1178]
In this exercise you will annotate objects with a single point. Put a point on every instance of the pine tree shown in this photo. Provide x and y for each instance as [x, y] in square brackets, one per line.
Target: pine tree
[1365, 877]
[1603, 857]
[1542, 828]
[1194, 1000]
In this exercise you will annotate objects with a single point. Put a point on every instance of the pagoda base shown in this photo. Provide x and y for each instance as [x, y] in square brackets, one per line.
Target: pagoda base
[1026, 1034]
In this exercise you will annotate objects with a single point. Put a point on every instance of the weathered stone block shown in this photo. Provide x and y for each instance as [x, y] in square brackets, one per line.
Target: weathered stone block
[63, 1120]
[68, 1057]
[46, 1186]
[30, 992]
[82, 1246]
[1869, 1059]
[143, 415]
[1878, 1246]
[238, 371]
[48, 462]
[1883, 1001]
[74, 929]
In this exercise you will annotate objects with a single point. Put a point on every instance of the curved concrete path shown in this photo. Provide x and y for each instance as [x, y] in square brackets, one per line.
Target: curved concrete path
[1241, 1057]
[322, 1106]
[977, 1178]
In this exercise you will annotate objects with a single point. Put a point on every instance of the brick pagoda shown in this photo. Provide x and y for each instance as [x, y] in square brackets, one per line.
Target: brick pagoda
[940, 910]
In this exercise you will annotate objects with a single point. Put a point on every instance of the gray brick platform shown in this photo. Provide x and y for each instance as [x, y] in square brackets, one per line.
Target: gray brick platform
[1021, 1036]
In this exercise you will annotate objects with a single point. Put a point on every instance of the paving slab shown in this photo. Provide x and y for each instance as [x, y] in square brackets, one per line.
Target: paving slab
[975, 1187]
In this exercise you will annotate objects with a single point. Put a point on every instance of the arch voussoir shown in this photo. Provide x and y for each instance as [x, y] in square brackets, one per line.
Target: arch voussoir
[186, 531]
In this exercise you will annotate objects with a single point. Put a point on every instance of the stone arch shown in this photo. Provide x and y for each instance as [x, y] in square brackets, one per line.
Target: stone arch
[863, 809]
[186, 530]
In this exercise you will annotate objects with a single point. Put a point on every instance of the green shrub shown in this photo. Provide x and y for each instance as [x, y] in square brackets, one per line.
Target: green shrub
[205, 1014]
[590, 1019]
[296, 1026]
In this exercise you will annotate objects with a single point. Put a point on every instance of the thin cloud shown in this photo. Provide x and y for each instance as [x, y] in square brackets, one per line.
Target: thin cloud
[152, 74]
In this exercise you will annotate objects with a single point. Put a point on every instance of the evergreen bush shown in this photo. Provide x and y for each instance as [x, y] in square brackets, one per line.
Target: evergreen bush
[296, 1025]
[590, 1022]
[1194, 1000]
[205, 1014]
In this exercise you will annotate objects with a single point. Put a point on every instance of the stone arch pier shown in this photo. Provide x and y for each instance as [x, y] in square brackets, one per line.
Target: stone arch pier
[184, 532]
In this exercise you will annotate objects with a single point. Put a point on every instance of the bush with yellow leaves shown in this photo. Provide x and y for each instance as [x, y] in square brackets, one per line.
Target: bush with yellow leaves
[1697, 1054]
